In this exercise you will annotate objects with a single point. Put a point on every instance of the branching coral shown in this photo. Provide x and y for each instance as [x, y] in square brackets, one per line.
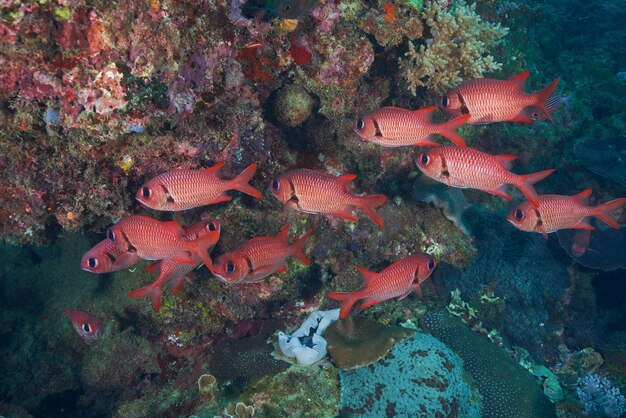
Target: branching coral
[458, 48]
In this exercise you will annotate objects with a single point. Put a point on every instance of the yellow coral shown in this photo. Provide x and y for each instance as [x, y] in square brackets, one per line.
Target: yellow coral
[457, 50]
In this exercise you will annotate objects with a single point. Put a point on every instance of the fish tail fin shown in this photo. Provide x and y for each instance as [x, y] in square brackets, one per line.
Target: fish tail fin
[605, 210]
[347, 299]
[367, 204]
[541, 98]
[151, 291]
[525, 185]
[240, 182]
[448, 129]
[298, 248]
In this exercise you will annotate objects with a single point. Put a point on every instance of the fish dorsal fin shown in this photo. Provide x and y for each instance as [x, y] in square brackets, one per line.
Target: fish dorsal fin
[174, 227]
[520, 79]
[283, 234]
[426, 112]
[506, 160]
[214, 168]
[394, 108]
[368, 276]
[346, 179]
[583, 196]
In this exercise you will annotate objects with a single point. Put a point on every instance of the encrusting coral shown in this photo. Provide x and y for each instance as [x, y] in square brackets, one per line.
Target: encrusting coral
[357, 342]
[458, 49]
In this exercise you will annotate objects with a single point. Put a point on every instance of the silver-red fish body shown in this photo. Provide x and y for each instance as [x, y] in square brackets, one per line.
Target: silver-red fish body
[396, 127]
[489, 100]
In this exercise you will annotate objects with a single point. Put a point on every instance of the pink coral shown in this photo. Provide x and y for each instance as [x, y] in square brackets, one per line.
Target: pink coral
[105, 94]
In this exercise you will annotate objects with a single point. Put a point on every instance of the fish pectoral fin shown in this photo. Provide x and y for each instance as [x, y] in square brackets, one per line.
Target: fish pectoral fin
[500, 191]
[346, 213]
[282, 269]
[223, 197]
[521, 119]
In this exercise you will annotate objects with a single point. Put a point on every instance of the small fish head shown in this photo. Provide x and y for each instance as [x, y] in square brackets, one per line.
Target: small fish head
[365, 127]
[431, 163]
[452, 104]
[152, 196]
[524, 217]
[203, 228]
[282, 189]
[230, 268]
[87, 326]
[426, 265]
[96, 262]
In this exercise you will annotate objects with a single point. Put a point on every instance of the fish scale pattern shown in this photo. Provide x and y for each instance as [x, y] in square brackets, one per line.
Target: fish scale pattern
[319, 192]
[495, 97]
[472, 168]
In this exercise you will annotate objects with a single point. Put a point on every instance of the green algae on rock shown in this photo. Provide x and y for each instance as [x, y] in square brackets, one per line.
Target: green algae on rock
[357, 342]
[507, 389]
[421, 376]
[293, 105]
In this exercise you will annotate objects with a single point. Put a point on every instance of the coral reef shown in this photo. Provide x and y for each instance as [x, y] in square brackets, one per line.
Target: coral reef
[420, 375]
[597, 394]
[508, 263]
[357, 342]
[507, 389]
[457, 50]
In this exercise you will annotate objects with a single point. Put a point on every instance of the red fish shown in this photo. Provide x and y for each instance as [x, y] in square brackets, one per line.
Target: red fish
[105, 257]
[488, 100]
[88, 326]
[185, 189]
[395, 281]
[171, 272]
[313, 192]
[396, 127]
[259, 257]
[151, 239]
[466, 167]
[556, 212]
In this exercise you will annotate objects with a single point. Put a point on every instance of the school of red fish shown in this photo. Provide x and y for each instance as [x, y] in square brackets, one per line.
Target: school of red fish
[177, 250]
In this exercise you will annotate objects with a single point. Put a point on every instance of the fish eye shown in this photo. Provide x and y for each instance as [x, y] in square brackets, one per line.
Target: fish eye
[275, 184]
[286, 7]
[360, 124]
[534, 115]
[146, 192]
[519, 214]
[431, 264]
[230, 267]
[444, 101]
[212, 226]
[86, 327]
[424, 159]
[92, 262]
[110, 235]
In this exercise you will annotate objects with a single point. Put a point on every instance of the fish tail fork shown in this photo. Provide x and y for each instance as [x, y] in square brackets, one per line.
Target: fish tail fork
[151, 291]
[525, 185]
[240, 182]
[298, 248]
[347, 299]
[541, 98]
[448, 129]
[367, 204]
[604, 212]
